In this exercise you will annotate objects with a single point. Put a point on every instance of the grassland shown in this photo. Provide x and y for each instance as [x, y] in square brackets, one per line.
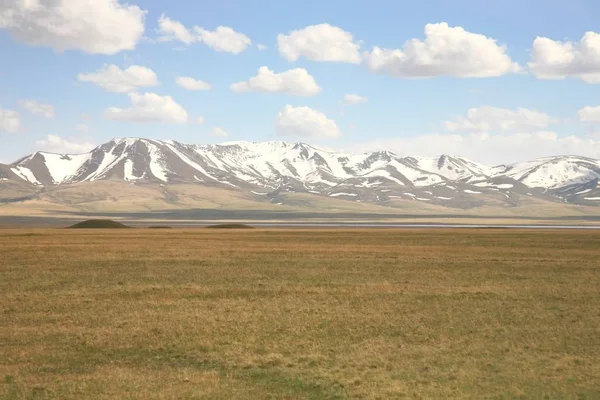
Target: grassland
[239, 314]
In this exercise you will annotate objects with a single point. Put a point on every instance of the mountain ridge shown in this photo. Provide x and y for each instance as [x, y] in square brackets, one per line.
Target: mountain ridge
[273, 167]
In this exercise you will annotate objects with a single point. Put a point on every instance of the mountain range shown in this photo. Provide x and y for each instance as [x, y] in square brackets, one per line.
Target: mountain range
[268, 171]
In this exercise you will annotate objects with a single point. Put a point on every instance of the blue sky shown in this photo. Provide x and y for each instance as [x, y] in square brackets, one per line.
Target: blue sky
[547, 109]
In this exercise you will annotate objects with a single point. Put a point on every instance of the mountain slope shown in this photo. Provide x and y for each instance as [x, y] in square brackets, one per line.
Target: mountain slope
[554, 172]
[271, 168]
[453, 168]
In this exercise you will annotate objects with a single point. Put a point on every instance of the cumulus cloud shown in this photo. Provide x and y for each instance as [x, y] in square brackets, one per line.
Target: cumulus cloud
[113, 79]
[552, 59]
[42, 110]
[261, 47]
[305, 122]
[223, 39]
[56, 144]
[200, 120]
[169, 30]
[446, 51]
[354, 99]
[219, 132]
[486, 148]
[10, 121]
[190, 83]
[589, 114]
[484, 119]
[320, 43]
[149, 107]
[297, 82]
[92, 26]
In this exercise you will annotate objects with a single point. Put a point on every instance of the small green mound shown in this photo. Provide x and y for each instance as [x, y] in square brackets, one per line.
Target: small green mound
[98, 224]
[230, 226]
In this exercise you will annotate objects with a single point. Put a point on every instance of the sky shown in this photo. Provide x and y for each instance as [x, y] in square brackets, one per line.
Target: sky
[494, 81]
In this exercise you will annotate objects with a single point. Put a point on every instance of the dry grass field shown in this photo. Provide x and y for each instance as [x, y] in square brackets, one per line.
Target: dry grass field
[120, 197]
[305, 314]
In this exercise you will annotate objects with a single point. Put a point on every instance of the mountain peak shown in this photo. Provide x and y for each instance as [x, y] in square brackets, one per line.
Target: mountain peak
[132, 139]
[265, 166]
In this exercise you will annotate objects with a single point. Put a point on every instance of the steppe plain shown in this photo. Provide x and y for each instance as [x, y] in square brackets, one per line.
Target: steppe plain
[296, 314]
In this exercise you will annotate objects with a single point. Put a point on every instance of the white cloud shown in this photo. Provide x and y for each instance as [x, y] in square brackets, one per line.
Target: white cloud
[320, 43]
[552, 59]
[190, 83]
[220, 132]
[489, 149]
[223, 39]
[10, 121]
[352, 126]
[589, 114]
[297, 82]
[305, 122]
[85, 117]
[149, 107]
[56, 144]
[354, 99]
[486, 118]
[200, 120]
[446, 51]
[92, 26]
[43, 110]
[113, 79]
[83, 128]
[169, 30]
[261, 47]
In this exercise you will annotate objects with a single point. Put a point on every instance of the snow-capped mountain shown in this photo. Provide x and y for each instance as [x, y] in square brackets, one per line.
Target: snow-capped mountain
[555, 172]
[266, 169]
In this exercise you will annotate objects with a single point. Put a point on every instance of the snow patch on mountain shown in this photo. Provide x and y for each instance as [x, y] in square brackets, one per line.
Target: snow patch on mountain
[25, 174]
[62, 167]
[157, 166]
[342, 194]
[108, 159]
[128, 172]
[452, 168]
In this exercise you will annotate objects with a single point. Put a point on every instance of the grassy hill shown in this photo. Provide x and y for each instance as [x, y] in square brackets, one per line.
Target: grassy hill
[98, 224]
